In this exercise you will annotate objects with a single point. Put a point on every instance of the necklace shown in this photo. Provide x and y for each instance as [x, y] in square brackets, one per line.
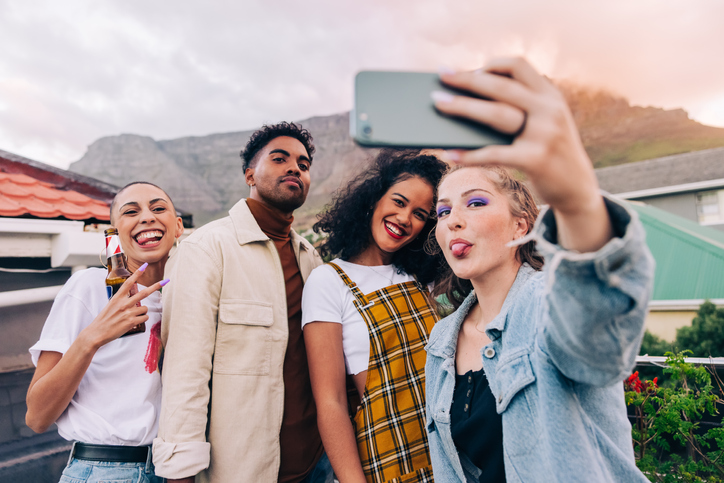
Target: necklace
[479, 317]
[387, 277]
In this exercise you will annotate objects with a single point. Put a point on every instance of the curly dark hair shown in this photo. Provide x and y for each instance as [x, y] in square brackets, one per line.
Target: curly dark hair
[261, 138]
[347, 220]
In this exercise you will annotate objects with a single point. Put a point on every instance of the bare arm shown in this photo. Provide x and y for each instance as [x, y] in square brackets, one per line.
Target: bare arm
[548, 149]
[327, 372]
[57, 376]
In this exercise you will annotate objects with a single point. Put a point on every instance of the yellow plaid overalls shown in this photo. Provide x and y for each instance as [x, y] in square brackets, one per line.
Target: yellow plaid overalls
[390, 422]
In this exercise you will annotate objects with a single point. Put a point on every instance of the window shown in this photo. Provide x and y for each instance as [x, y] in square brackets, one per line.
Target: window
[710, 207]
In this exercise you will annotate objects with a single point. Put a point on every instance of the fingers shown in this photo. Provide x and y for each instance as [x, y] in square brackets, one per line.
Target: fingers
[501, 117]
[492, 86]
[136, 298]
[520, 70]
[127, 286]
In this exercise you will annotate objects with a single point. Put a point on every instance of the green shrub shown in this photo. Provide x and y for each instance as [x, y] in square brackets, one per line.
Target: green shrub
[705, 337]
[669, 442]
[655, 346]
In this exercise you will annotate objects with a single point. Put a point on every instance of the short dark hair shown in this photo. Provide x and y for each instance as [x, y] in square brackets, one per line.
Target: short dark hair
[261, 138]
[113, 203]
[347, 220]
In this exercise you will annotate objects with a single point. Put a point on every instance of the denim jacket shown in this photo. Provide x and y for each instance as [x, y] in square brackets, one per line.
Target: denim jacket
[561, 346]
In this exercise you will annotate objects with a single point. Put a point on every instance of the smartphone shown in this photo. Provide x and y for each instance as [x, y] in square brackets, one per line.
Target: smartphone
[394, 109]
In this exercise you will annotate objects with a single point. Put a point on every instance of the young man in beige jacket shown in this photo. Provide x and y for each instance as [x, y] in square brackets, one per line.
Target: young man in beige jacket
[237, 402]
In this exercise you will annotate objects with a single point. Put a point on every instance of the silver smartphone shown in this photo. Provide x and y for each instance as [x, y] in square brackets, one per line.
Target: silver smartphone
[394, 109]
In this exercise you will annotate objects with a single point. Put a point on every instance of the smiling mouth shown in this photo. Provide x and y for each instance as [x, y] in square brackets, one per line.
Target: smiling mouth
[149, 238]
[394, 230]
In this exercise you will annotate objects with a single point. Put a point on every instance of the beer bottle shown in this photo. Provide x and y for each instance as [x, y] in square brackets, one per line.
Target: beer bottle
[118, 272]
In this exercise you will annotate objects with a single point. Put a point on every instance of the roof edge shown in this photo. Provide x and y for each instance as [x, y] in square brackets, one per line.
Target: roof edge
[60, 178]
[679, 188]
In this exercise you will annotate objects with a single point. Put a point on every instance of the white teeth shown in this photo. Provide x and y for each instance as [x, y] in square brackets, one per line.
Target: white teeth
[393, 229]
[149, 234]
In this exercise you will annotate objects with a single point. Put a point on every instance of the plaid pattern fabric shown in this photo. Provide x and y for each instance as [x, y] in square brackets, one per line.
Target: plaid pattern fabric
[390, 423]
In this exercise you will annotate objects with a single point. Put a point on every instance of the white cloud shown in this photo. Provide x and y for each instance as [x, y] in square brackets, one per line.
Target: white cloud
[73, 71]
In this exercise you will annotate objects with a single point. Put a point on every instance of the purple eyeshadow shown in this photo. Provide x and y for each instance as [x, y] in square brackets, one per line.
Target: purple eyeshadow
[481, 199]
[442, 208]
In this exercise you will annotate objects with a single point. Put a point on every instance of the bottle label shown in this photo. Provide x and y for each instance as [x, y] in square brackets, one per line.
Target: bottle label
[109, 291]
[113, 245]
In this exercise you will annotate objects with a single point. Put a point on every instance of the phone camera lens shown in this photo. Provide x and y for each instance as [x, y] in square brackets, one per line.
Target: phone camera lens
[367, 130]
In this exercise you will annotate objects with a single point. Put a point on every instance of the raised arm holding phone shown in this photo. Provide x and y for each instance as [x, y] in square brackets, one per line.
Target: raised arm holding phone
[524, 378]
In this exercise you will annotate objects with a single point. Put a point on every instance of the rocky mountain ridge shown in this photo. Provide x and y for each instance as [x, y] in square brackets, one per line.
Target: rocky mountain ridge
[203, 173]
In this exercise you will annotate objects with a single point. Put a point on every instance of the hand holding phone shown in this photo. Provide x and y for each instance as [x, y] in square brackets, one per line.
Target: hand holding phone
[396, 109]
[548, 148]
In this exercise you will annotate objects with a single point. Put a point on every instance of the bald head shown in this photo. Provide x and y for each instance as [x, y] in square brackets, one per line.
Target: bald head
[120, 192]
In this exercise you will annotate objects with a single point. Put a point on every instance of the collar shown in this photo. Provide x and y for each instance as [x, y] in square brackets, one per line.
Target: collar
[271, 222]
[443, 343]
[247, 230]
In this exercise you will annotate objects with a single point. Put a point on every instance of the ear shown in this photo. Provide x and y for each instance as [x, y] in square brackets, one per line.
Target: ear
[249, 176]
[179, 226]
[521, 228]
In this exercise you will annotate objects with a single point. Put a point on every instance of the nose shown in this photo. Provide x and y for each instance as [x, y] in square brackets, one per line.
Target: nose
[403, 218]
[454, 221]
[294, 169]
[148, 216]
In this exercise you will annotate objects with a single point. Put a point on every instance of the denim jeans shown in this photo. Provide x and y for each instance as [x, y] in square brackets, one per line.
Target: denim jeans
[89, 471]
[322, 473]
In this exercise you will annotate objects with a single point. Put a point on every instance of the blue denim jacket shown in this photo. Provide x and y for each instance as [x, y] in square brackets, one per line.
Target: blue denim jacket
[561, 346]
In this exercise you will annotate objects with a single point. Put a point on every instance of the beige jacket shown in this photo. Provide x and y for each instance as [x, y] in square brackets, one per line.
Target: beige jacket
[225, 331]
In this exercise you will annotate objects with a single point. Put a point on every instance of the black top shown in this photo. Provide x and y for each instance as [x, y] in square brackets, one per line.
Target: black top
[477, 429]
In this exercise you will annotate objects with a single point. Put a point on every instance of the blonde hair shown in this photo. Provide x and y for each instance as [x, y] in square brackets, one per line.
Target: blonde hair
[522, 205]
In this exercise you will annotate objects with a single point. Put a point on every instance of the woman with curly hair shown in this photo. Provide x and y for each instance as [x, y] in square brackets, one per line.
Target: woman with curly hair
[368, 314]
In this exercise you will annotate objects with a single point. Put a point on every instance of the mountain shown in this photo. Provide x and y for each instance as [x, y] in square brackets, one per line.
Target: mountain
[203, 173]
[614, 132]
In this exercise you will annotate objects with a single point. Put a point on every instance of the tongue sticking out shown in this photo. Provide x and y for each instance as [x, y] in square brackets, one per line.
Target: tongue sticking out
[459, 249]
[148, 238]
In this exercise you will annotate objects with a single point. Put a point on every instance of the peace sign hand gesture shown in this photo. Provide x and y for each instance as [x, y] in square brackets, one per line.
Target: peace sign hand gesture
[123, 311]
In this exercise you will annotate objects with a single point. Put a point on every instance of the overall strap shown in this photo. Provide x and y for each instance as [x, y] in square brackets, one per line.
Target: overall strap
[361, 300]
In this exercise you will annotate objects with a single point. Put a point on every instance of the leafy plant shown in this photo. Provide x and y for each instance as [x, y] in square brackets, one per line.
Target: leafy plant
[705, 336]
[655, 346]
[669, 441]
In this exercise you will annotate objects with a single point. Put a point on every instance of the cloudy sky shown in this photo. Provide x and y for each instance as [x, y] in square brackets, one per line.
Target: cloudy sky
[72, 71]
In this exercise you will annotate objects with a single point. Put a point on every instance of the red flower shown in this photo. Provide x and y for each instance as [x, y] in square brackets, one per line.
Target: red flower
[633, 383]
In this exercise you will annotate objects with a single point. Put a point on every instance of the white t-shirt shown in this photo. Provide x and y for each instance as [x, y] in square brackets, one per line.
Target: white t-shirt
[327, 298]
[118, 401]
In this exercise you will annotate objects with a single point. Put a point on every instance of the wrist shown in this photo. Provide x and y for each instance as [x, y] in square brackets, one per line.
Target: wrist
[589, 203]
[88, 342]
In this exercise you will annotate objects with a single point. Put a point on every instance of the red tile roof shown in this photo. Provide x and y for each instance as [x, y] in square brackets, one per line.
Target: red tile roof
[21, 195]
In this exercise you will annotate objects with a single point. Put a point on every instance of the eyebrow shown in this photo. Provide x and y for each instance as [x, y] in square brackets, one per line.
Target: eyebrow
[136, 203]
[286, 153]
[417, 209]
[441, 200]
